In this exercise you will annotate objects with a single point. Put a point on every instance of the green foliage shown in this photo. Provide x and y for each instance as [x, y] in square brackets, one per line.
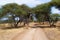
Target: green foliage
[43, 8]
[56, 3]
[25, 8]
[43, 11]
[55, 16]
[13, 9]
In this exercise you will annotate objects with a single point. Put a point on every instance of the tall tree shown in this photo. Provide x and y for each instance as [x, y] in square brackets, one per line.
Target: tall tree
[43, 11]
[14, 9]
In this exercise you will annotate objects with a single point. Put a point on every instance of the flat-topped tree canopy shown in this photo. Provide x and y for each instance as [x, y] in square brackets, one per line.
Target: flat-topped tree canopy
[55, 3]
[13, 8]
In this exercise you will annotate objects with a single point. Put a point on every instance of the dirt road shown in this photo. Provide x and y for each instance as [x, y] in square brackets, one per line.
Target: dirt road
[31, 34]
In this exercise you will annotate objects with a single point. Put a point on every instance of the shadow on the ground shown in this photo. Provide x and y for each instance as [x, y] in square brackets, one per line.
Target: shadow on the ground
[12, 27]
[35, 26]
[53, 26]
[44, 26]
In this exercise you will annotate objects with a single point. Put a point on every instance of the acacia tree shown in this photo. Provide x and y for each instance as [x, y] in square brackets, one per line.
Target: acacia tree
[45, 10]
[42, 11]
[55, 3]
[14, 9]
[29, 12]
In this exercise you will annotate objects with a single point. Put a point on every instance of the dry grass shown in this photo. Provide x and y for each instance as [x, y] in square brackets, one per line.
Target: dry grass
[5, 25]
[53, 33]
[9, 33]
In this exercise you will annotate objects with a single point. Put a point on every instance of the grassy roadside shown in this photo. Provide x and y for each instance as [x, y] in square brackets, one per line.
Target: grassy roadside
[52, 33]
[9, 33]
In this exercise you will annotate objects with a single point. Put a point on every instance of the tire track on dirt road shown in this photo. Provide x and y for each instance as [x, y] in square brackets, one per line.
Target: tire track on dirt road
[32, 34]
[26, 35]
[40, 35]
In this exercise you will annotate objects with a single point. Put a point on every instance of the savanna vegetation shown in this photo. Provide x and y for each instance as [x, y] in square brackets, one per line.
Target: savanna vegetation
[41, 13]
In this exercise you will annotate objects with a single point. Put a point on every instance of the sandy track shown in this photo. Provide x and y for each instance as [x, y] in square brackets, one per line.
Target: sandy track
[40, 35]
[32, 34]
[26, 35]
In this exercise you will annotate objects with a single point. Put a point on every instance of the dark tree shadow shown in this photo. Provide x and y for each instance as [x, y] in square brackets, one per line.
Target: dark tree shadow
[50, 26]
[12, 27]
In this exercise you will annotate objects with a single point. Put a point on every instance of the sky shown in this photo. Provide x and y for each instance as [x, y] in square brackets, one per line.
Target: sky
[30, 3]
